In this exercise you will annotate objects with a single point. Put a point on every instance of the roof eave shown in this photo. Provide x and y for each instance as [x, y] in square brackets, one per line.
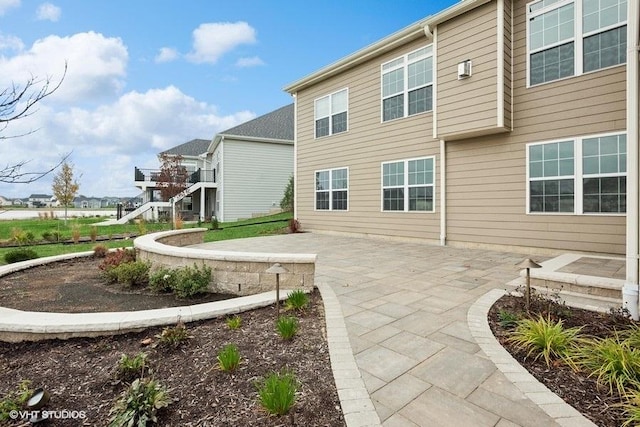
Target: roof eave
[399, 38]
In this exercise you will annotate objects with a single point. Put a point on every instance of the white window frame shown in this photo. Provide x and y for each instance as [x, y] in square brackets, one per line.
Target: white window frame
[330, 190]
[578, 38]
[406, 186]
[404, 65]
[331, 113]
[578, 176]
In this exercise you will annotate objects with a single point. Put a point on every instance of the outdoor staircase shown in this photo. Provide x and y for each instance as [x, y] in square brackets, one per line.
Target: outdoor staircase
[139, 211]
[579, 290]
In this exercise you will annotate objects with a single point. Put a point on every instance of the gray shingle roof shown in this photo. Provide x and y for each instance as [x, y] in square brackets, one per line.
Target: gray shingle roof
[195, 147]
[277, 124]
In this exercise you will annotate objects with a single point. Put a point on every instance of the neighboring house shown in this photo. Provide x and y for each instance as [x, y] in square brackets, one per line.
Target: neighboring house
[241, 172]
[5, 202]
[494, 123]
[83, 202]
[39, 200]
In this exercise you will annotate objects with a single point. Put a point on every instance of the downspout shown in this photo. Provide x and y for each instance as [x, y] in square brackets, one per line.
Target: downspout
[443, 193]
[631, 287]
[220, 176]
[295, 155]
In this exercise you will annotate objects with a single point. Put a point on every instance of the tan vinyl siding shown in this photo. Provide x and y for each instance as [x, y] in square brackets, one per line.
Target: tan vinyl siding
[486, 177]
[508, 107]
[255, 176]
[362, 149]
[469, 105]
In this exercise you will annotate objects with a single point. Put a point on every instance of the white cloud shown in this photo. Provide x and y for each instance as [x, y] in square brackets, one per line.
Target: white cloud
[8, 4]
[48, 12]
[253, 61]
[166, 54]
[96, 65]
[11, 43]
[212, 40]
[108, 141]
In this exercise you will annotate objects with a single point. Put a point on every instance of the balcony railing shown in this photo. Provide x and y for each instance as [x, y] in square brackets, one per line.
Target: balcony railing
[152, 175]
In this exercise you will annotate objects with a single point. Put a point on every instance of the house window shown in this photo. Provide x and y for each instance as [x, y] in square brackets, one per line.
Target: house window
[407, 185]
[604, 161]
[331, 113]
[332, 189]
[407, 84]
[571, 37]
[582, 175]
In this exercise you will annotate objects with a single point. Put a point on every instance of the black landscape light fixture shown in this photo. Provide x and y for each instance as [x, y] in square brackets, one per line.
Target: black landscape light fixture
[528, 264]
[277, 269]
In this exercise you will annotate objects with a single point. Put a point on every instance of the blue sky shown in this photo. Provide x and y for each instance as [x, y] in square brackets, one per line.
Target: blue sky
[144, 76]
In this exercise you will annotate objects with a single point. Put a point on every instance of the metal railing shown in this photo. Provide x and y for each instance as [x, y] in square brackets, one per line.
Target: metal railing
[152, 175]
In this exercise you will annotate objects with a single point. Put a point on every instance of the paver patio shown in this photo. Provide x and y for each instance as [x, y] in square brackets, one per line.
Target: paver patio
[405, 308]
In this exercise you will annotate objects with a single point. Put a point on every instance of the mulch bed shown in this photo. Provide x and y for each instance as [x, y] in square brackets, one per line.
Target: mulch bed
[576, 388]
[80, 374]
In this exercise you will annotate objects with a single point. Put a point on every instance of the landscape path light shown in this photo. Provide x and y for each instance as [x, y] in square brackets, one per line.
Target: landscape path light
[528, 264]
[277, 269]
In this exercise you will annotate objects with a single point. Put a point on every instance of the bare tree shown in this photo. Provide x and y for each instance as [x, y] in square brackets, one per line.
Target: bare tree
[18, 102]
[173, 177]
[65, 187]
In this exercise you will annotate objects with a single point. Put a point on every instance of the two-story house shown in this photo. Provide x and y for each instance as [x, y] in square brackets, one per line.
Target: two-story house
[494, 123]
[242, 171]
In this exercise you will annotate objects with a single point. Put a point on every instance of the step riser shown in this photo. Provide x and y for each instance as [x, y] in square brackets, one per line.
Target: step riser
[577, 288]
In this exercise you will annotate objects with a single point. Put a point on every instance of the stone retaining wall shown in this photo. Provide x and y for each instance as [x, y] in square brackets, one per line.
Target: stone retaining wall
[238, 273]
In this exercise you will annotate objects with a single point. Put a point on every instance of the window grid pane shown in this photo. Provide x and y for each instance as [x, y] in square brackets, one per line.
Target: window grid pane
[331, 114]
[605, 49]
[408, 177]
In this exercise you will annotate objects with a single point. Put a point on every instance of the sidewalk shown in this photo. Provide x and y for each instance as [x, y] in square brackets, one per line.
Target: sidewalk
[405, 308]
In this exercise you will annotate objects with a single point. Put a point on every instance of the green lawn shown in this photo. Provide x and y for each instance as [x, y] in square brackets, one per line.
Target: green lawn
[273, 224]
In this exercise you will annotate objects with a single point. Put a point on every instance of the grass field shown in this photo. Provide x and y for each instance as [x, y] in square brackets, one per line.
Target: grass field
[273, 224]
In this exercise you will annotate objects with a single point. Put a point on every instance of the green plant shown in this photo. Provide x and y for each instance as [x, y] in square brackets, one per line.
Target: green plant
[287, 326]
[507, 319]
[17, 255]
[286, 204]
[75, 233]
[132, 367]
[173, 336]
[100, 251]
[277, 392]
[234, 322]
[546, 338]
[15, 400]
[139, 404]
[142, 226]
[297, 300]
[229, 357]
[49, 236]
[631, 409]
[93, 234]
[192, 281]
[114, 259]
[163, 279]
[612, 360]
[134, 273]
[214, 223]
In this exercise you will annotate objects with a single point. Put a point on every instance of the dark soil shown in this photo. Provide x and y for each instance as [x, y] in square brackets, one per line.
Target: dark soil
[80, 374]
[76, 286]
[576, 388]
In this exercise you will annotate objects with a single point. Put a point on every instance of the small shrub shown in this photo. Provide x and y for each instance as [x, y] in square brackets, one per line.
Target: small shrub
[162, 280]
[93, 234]
[142, 226]
[214, 223]
[234, 322]
[132, 367]
[17, 255]
[229, 358]
[100, 251]
[545, 338]
[613, 361]
[178, 222]
[173, 336]
[134, 273]
[507, 319]
[21, 237]
[75, 233]
[48, 236]
[139, 404]
[15, 400]
[287, 326]
[294, 226]
[30, 237]
[192, 281]
[114, 259]
[277, 392]
[297, 300]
